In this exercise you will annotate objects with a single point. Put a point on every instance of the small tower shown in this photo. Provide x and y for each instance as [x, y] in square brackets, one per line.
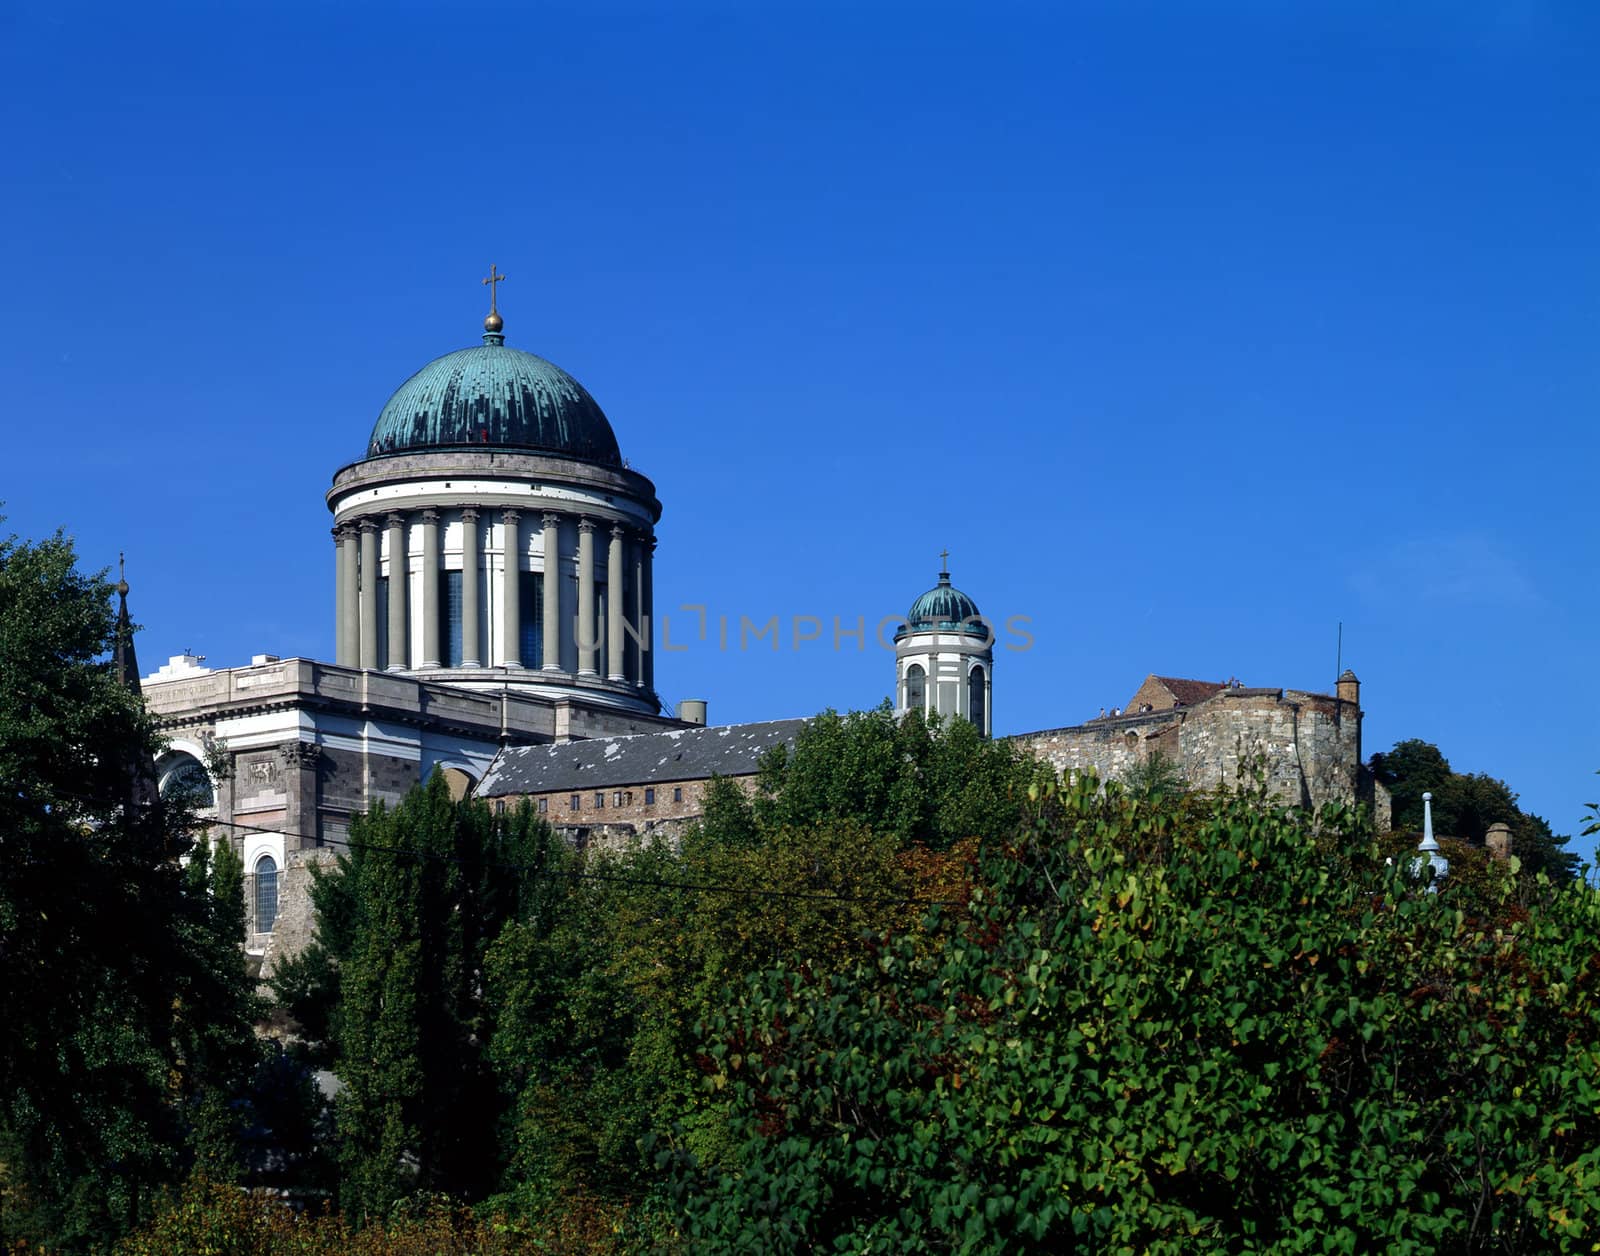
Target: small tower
[944, 657]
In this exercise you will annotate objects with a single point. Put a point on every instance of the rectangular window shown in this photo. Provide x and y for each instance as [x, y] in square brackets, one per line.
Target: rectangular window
[383, 622]
[544, 805]
[677, 793]
[499, 806]
[530, 618]
[649, 797]
[577, 802]
[599, 799]
[616, 799]
[450, 617]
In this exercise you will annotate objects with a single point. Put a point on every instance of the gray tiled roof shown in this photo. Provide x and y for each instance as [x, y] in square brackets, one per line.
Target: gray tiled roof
[684, 754]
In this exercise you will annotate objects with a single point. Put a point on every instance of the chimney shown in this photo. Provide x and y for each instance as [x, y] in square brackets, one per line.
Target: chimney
[1498, 840]
[1349, 689]
[692, 711]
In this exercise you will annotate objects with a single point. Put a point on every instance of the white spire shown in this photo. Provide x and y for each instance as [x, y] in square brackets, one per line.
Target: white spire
[1428, 850]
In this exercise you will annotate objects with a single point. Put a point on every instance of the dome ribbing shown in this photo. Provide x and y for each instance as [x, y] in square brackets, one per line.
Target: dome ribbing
[489, 396]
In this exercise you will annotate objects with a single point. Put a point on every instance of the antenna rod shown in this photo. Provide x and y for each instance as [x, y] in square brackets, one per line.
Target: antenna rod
[1338, 654]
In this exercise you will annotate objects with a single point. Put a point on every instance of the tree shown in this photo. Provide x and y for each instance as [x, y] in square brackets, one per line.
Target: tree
[405, 923]
[1464, 806]
[127, 1015]
[1171, 1028]
[1167, 1029]
[918, 781]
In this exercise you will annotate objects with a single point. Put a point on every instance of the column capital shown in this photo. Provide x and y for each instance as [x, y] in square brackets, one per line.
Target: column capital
[585, 524]
[469, 514]
[616, 531]
[430, 515]
[340, 532]
[550, 519]
[394, 519]
[508, 515]
[367, 524]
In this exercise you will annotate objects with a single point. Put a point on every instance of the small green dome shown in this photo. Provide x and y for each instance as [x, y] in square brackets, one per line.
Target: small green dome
[943, 608]
[490, 395]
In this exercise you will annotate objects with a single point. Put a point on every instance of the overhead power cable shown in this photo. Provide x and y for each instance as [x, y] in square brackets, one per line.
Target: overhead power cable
[574, 874]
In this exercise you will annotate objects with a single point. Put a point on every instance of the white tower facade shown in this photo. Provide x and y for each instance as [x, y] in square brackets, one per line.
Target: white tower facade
[944, 658]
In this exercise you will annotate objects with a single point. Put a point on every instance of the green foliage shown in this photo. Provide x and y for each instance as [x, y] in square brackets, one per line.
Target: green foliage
[1464, 806]
[920, 782]
[126, 1022]
[1172, 1030]
[407, 922]
[1158, 776]
[209, 1218]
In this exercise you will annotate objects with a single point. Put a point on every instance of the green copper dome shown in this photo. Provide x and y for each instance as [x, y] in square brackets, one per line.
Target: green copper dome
[495, 396]
[943, 608]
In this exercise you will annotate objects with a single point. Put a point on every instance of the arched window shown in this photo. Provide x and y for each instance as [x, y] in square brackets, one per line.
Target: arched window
[266, 893]
[916, 689]
[185, 780]
[975, 697]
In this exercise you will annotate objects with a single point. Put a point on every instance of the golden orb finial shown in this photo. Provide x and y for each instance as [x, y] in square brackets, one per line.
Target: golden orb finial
[494, 322]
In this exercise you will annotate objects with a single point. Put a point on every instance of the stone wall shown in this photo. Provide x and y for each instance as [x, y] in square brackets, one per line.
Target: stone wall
[1308, 745]
[296, 925]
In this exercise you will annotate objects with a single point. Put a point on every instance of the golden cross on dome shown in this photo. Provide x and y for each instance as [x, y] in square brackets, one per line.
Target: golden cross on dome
[944, 562]
[492, 280]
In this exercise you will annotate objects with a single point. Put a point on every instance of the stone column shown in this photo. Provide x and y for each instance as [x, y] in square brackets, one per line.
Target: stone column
[588, 638]
[616, 665]
[471, 650]
[552, 593]
[346, 622]
[636, 643]
[368, 654]
[511, 608]
[647, 615]
[399, 580]
[430, 588]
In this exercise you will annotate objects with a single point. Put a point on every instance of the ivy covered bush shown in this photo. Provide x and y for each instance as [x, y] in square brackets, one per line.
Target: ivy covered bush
[1201, 1025]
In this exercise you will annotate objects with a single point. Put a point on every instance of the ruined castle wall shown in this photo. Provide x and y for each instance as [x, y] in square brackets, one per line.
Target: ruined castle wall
[1307, 744]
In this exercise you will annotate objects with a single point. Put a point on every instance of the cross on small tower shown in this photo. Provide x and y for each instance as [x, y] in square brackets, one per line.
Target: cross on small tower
[492, 280]
[944, 562]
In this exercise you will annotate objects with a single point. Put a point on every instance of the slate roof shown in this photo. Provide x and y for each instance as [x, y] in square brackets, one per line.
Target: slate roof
[683, 754]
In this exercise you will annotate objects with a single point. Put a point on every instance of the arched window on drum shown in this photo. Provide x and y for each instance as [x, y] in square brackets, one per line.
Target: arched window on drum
[266, 893]
[916, 688]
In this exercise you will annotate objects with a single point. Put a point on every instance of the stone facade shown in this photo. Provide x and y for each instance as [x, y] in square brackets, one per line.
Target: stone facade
[1308, 744]
[292, 749]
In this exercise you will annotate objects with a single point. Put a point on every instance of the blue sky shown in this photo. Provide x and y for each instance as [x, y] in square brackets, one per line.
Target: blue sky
[1192, 331]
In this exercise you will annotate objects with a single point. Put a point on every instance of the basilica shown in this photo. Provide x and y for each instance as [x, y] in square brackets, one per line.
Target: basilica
[493, 610]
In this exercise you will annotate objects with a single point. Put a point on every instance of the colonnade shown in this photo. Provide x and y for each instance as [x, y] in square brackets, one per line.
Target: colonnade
[392, 614]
